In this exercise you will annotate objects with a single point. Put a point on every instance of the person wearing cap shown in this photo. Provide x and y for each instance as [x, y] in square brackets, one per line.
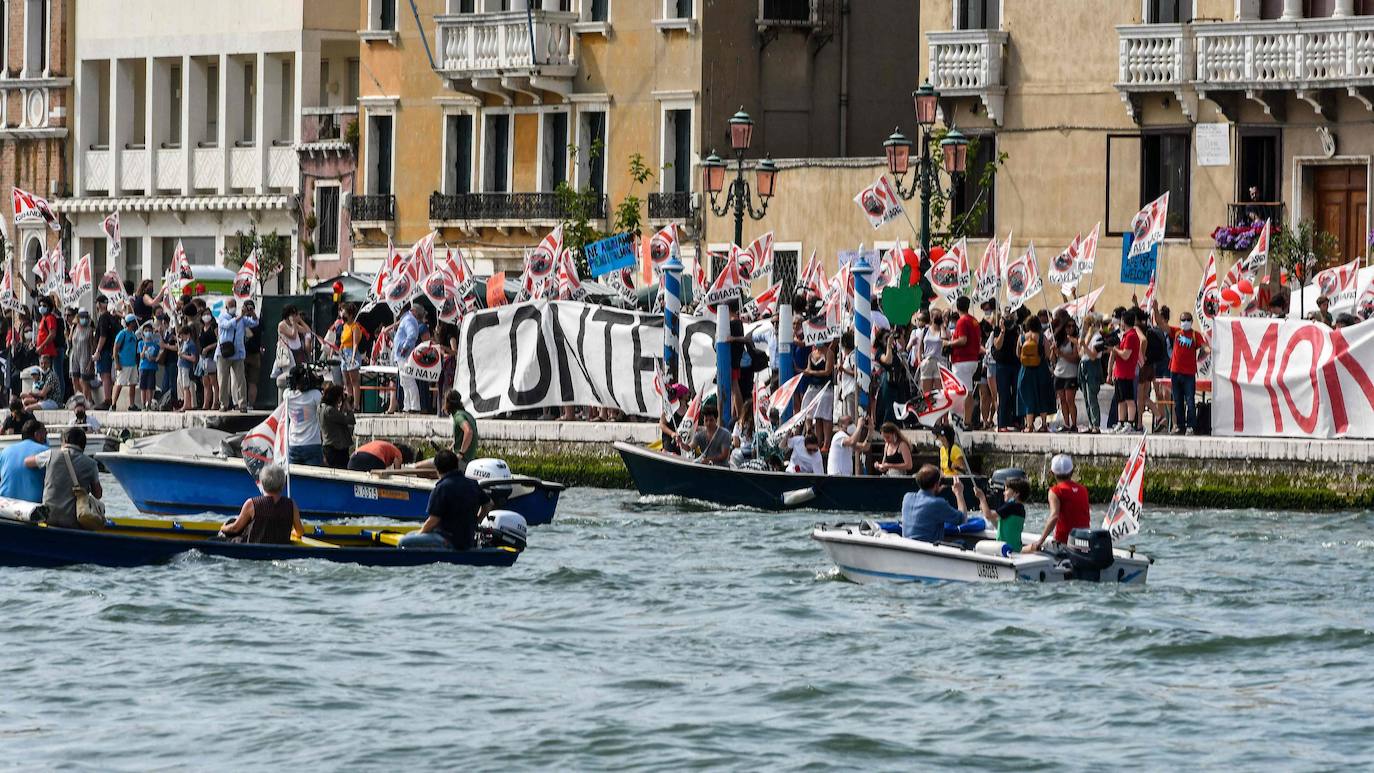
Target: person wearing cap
[925, 513]
[1068, 507]
[126, 357]
[106, 328]
[1323, 311]
[230, 353]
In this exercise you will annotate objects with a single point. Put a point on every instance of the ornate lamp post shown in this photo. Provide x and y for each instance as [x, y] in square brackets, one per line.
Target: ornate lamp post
[953, 147]
[738, 198]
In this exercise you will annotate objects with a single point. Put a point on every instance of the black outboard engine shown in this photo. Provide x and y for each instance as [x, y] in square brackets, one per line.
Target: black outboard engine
[503, 529]
[1089, 552]
[998, 481]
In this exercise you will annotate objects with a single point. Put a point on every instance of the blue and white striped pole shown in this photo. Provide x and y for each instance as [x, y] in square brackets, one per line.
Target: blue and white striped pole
[863, 327]
[672, 308]
[724, 383]
[785, 342]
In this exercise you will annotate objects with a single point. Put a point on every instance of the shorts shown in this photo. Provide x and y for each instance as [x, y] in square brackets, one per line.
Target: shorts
[348, 359]
[929, 369]
[1061, 384]
[104, 363]
[252, 366]
[965, 371]
[127, 376]
[365, 462]
[147, 379]
[1125, 391]
[185, 382]
[825, 409]
[208, 366]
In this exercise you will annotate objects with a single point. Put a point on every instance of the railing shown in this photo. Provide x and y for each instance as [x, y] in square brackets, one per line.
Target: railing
[1291, 54]
[171, 169]
[1154, 55]
[326, 123]
[372, 207]
[967, 61]
[489, 42]
[133, 169]
[784, 13]
[1252, 212]
[504, 206]
[244, 171]
[207, 168]
[670, 206]
[96, 169]
[282, 167]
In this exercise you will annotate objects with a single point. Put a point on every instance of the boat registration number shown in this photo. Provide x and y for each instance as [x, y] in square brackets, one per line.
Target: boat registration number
[987, 571]
[372, 492]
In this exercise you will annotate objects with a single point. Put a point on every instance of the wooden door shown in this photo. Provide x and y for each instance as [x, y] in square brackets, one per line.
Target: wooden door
[1341, 207]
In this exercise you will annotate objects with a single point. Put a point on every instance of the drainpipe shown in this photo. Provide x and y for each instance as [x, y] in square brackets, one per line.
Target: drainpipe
[844, 79]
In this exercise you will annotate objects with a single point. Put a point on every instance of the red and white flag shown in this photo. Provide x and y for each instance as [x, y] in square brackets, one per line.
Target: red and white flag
[8, 300]
[1023, 279]
[1364, 304]
[765, 305]
[32, 209]
[543, 259]
[662, 246]
[422, 257]
[728, 286]
[181, 265]
[267, 443]
[1254, 263]
[988, 278]
[246, 278]
[464, 281]
[110, 225]
[1149, 226]
[112, 287]
[813, 277]
[889, 270]
[569, 283]
[79, 279]
[761, 250]
[745, 260]
[1208, 296]
[1079, 307]
[42, 268]
[950, 274]
[782, 396]
[1338, 283]
[442, 291]
[1063, 268]
[933, 405]
[1122, 518]
[1150, 291]
[879, 202]
[1004, 254]
[829, 324]
[1087, 258]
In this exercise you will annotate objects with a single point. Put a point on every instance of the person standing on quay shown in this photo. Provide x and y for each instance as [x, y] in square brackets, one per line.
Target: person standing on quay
[233, 388]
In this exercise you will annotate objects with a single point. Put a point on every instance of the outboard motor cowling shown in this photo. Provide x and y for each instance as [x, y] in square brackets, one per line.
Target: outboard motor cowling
[489, 474]
[503, 528]
[998, 481]
[1089, 552]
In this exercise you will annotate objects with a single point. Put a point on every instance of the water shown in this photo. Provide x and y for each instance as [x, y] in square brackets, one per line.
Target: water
[669, 635]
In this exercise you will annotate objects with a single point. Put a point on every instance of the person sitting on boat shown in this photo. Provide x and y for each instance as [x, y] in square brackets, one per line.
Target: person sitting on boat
[269, 519]
[952, 460]
[896, 451]
[742, 438]
[925, 513]
[712, 441]
[16, 418]
[806, 455]
[18, 481]
[456, 505]
[1068, 507]
[1010, 518]
[66, 469]
[669, 420]
[380, 455]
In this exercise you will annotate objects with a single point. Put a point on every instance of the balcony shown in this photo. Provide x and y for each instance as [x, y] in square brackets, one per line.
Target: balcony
[507, 52]
[503, 211]
[326, 128]
[95, 166]
[1251, 212]
[968, 63]
[1311, 57]
[372, 208]
[677, 205]
[1156, 58]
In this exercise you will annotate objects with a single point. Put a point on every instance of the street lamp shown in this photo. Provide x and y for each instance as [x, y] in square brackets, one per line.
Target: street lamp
[953, 148]
[739, 198]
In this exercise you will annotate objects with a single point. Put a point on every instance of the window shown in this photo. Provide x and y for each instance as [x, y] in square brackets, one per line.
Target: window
[1270, 9]
[1165, 166]
[459, 149]
[212, 104]
[978, 15]
[591, 150]
[598, 10]
[1258, 165]
[174, 106]
[384, 15]
[35, 38]
[379, 141]
[1318, 9]
[969, 194]
[677, 9]
[1169, 11]
[785, 267]
[326, 219]
[250, 104]
[554, 151]
[463, 6]
[677, 150]
[496, 159]
[786, 10]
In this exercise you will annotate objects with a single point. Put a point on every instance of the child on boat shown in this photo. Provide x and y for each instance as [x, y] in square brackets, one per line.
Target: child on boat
[1010, 518]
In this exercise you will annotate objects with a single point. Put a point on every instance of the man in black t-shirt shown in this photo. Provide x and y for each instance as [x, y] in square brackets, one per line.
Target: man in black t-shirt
[455, 506]
[16, 418]
[106, 328]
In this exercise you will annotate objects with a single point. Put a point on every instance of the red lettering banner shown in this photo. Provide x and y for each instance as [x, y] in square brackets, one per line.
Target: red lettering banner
[1284, 378]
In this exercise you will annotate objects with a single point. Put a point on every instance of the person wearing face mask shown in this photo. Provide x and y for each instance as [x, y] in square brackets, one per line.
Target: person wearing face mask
[126, 357]
[207, 366]
[106, 328]
[1189, 344]
[149, 348]
[45, 337]
[233, 327]
[844, 439]
[82, 362]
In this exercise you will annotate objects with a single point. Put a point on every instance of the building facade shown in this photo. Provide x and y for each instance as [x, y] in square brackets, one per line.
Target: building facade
[35, 96]
[188, 122]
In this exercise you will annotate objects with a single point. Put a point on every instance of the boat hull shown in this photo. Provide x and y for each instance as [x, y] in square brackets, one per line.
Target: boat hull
[659, 474]
[866, 557]
[35, 545]
[171, 485]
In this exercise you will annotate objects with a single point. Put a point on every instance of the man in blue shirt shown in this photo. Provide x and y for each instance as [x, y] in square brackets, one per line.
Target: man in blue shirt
[410, 332]
[925, 513]
[16, 480]
[229, 355]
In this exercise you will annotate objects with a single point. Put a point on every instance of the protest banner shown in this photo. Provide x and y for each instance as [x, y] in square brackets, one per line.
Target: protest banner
[1285, 378]
[610, 254]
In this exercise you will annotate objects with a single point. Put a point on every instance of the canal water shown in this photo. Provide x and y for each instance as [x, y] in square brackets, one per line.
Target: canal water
[668, 635]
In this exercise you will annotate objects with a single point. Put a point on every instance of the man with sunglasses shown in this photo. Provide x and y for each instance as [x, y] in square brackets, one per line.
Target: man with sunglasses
[1189, 344]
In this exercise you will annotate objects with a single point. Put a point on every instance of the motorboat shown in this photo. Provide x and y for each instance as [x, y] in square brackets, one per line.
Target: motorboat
[870, 551]
[193, 471]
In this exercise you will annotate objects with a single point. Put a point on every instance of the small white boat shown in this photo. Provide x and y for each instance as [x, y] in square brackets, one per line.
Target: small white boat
[865, 553]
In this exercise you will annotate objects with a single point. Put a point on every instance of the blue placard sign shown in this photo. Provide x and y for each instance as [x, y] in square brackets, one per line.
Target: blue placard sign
[610, 254]
[1137, 270]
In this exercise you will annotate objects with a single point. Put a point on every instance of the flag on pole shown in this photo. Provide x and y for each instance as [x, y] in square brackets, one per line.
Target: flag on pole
[267, 443]
[761, 250]
[1023, 279]
[8, 300]
[543, 259]
[1149, 303]
[1149, 226]
[950, 274]
[1122, 518]
[988, 279]
[1338, 283]
[246, 279]
[1063, 268]
[181, 265]
[765, 305]
[1087, 258]
[931, 406]
[879, 202]
[661, 246]
[1208, 296]
[30, 209]
[110, 225]
[1080, 306]
[728, 285]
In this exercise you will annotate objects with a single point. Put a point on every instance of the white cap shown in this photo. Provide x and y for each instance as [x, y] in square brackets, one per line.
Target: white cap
[1061, 464]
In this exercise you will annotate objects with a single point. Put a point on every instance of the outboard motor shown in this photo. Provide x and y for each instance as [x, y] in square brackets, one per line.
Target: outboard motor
[503, 529]
[488, 473]
[1089, 552]
[998, 481]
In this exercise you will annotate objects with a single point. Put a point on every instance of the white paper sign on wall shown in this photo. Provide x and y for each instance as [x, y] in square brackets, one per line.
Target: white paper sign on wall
[1213, 142]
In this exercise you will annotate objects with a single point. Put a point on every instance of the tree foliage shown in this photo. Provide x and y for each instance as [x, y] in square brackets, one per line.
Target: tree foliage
[946, 226]
[580, 208]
